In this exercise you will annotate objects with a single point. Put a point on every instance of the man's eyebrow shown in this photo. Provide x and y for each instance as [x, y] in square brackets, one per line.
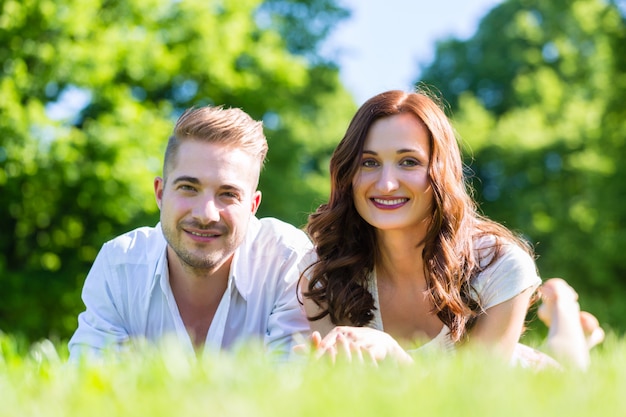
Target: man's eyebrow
[186, 178]
[231, 187]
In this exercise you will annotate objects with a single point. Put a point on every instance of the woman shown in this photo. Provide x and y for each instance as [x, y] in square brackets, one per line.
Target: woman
[402, 254]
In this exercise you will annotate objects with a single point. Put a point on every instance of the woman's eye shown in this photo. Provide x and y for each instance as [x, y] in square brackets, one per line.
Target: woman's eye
[410, 162]
[369, 163]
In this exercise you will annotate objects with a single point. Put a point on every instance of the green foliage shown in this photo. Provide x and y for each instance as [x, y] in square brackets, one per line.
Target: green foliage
[90, 91]
[537, 96]
[165, 382]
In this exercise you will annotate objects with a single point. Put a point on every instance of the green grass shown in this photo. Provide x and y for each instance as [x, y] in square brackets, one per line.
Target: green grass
[37, 381]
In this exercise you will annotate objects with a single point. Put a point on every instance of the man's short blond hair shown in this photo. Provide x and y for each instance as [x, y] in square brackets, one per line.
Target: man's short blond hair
[216, 124]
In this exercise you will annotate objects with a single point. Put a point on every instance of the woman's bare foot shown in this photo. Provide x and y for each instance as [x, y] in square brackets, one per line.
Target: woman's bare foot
[572, 332]
[594, 334]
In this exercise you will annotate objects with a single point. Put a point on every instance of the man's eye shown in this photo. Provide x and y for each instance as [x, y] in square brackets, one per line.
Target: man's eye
[231, 195]
[186, 187]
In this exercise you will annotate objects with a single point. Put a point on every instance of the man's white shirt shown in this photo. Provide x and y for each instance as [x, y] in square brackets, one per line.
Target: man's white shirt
[127, 293]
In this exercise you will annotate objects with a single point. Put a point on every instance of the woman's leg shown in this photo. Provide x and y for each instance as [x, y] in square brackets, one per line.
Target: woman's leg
[572, 332]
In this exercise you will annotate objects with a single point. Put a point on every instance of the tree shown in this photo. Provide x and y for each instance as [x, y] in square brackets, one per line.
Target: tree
[90, 90]
[537, 95]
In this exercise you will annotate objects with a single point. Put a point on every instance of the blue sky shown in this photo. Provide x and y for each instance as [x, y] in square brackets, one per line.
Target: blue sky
[381, 46]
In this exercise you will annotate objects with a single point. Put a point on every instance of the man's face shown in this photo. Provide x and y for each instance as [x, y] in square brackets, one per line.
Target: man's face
[206, 202]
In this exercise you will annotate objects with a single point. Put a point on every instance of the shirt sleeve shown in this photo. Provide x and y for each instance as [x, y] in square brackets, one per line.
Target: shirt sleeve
[287, 323]
[511, 274]
[100, 326]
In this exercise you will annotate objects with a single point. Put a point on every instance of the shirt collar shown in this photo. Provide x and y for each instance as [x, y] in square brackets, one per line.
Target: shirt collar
[161, 268]
[239, 268]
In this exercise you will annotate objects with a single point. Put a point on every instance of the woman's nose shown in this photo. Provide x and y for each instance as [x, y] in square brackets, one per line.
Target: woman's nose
[388, 180]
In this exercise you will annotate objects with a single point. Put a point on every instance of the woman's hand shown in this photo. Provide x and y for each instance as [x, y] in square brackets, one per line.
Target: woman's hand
[360, 344]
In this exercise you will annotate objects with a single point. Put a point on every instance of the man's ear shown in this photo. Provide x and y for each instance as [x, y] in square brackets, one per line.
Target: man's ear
[158, 190]
[256, 201]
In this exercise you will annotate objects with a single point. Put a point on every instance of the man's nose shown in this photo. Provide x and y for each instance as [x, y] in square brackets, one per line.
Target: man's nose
[207, 210]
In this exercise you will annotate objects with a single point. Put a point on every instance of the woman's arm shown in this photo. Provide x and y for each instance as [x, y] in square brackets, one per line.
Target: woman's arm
[500, 327]
[323, 325]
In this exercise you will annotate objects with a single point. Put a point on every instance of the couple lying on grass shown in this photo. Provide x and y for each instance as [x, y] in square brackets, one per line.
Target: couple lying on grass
[397, 262]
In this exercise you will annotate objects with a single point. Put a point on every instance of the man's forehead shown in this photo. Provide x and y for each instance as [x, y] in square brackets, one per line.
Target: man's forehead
[206, 162]
[215, 150]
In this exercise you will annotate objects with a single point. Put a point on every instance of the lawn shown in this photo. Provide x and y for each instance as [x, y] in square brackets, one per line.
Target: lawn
[37, 381]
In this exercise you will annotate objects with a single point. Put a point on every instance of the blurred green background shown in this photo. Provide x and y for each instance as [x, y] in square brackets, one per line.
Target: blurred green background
[90, 89]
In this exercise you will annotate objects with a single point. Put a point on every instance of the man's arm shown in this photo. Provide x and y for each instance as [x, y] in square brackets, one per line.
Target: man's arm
[287, 325]
[100, 326]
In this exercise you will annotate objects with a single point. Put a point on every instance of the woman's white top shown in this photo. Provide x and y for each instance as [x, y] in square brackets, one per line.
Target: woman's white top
[510, 275]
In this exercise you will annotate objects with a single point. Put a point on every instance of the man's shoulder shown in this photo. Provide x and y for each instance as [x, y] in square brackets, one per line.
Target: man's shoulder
[280, 228]
[278, 231]
[142, 240]
[267, 260]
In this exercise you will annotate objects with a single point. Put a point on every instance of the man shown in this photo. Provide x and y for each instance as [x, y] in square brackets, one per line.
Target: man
[210, 273]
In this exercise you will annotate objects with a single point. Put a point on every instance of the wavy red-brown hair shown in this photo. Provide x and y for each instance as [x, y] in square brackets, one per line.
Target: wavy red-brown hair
[346, 245]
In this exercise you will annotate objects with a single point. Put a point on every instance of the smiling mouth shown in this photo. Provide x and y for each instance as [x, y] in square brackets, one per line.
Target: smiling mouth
[390, 202]
[204, 234]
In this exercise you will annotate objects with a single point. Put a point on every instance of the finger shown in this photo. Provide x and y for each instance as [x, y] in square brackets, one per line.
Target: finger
[332, 351]
[321, 351]
[359, 354]
[301, 349]
[329, 340]
[344, 348]
[329, 351]
[316, 339]
[372, 357]
[350, 334]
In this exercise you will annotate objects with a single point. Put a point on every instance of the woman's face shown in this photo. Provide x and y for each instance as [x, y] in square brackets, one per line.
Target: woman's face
[391, 189]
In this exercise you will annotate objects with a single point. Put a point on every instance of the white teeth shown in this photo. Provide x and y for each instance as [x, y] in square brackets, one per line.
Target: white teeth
[390, 202]
[202, 234]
